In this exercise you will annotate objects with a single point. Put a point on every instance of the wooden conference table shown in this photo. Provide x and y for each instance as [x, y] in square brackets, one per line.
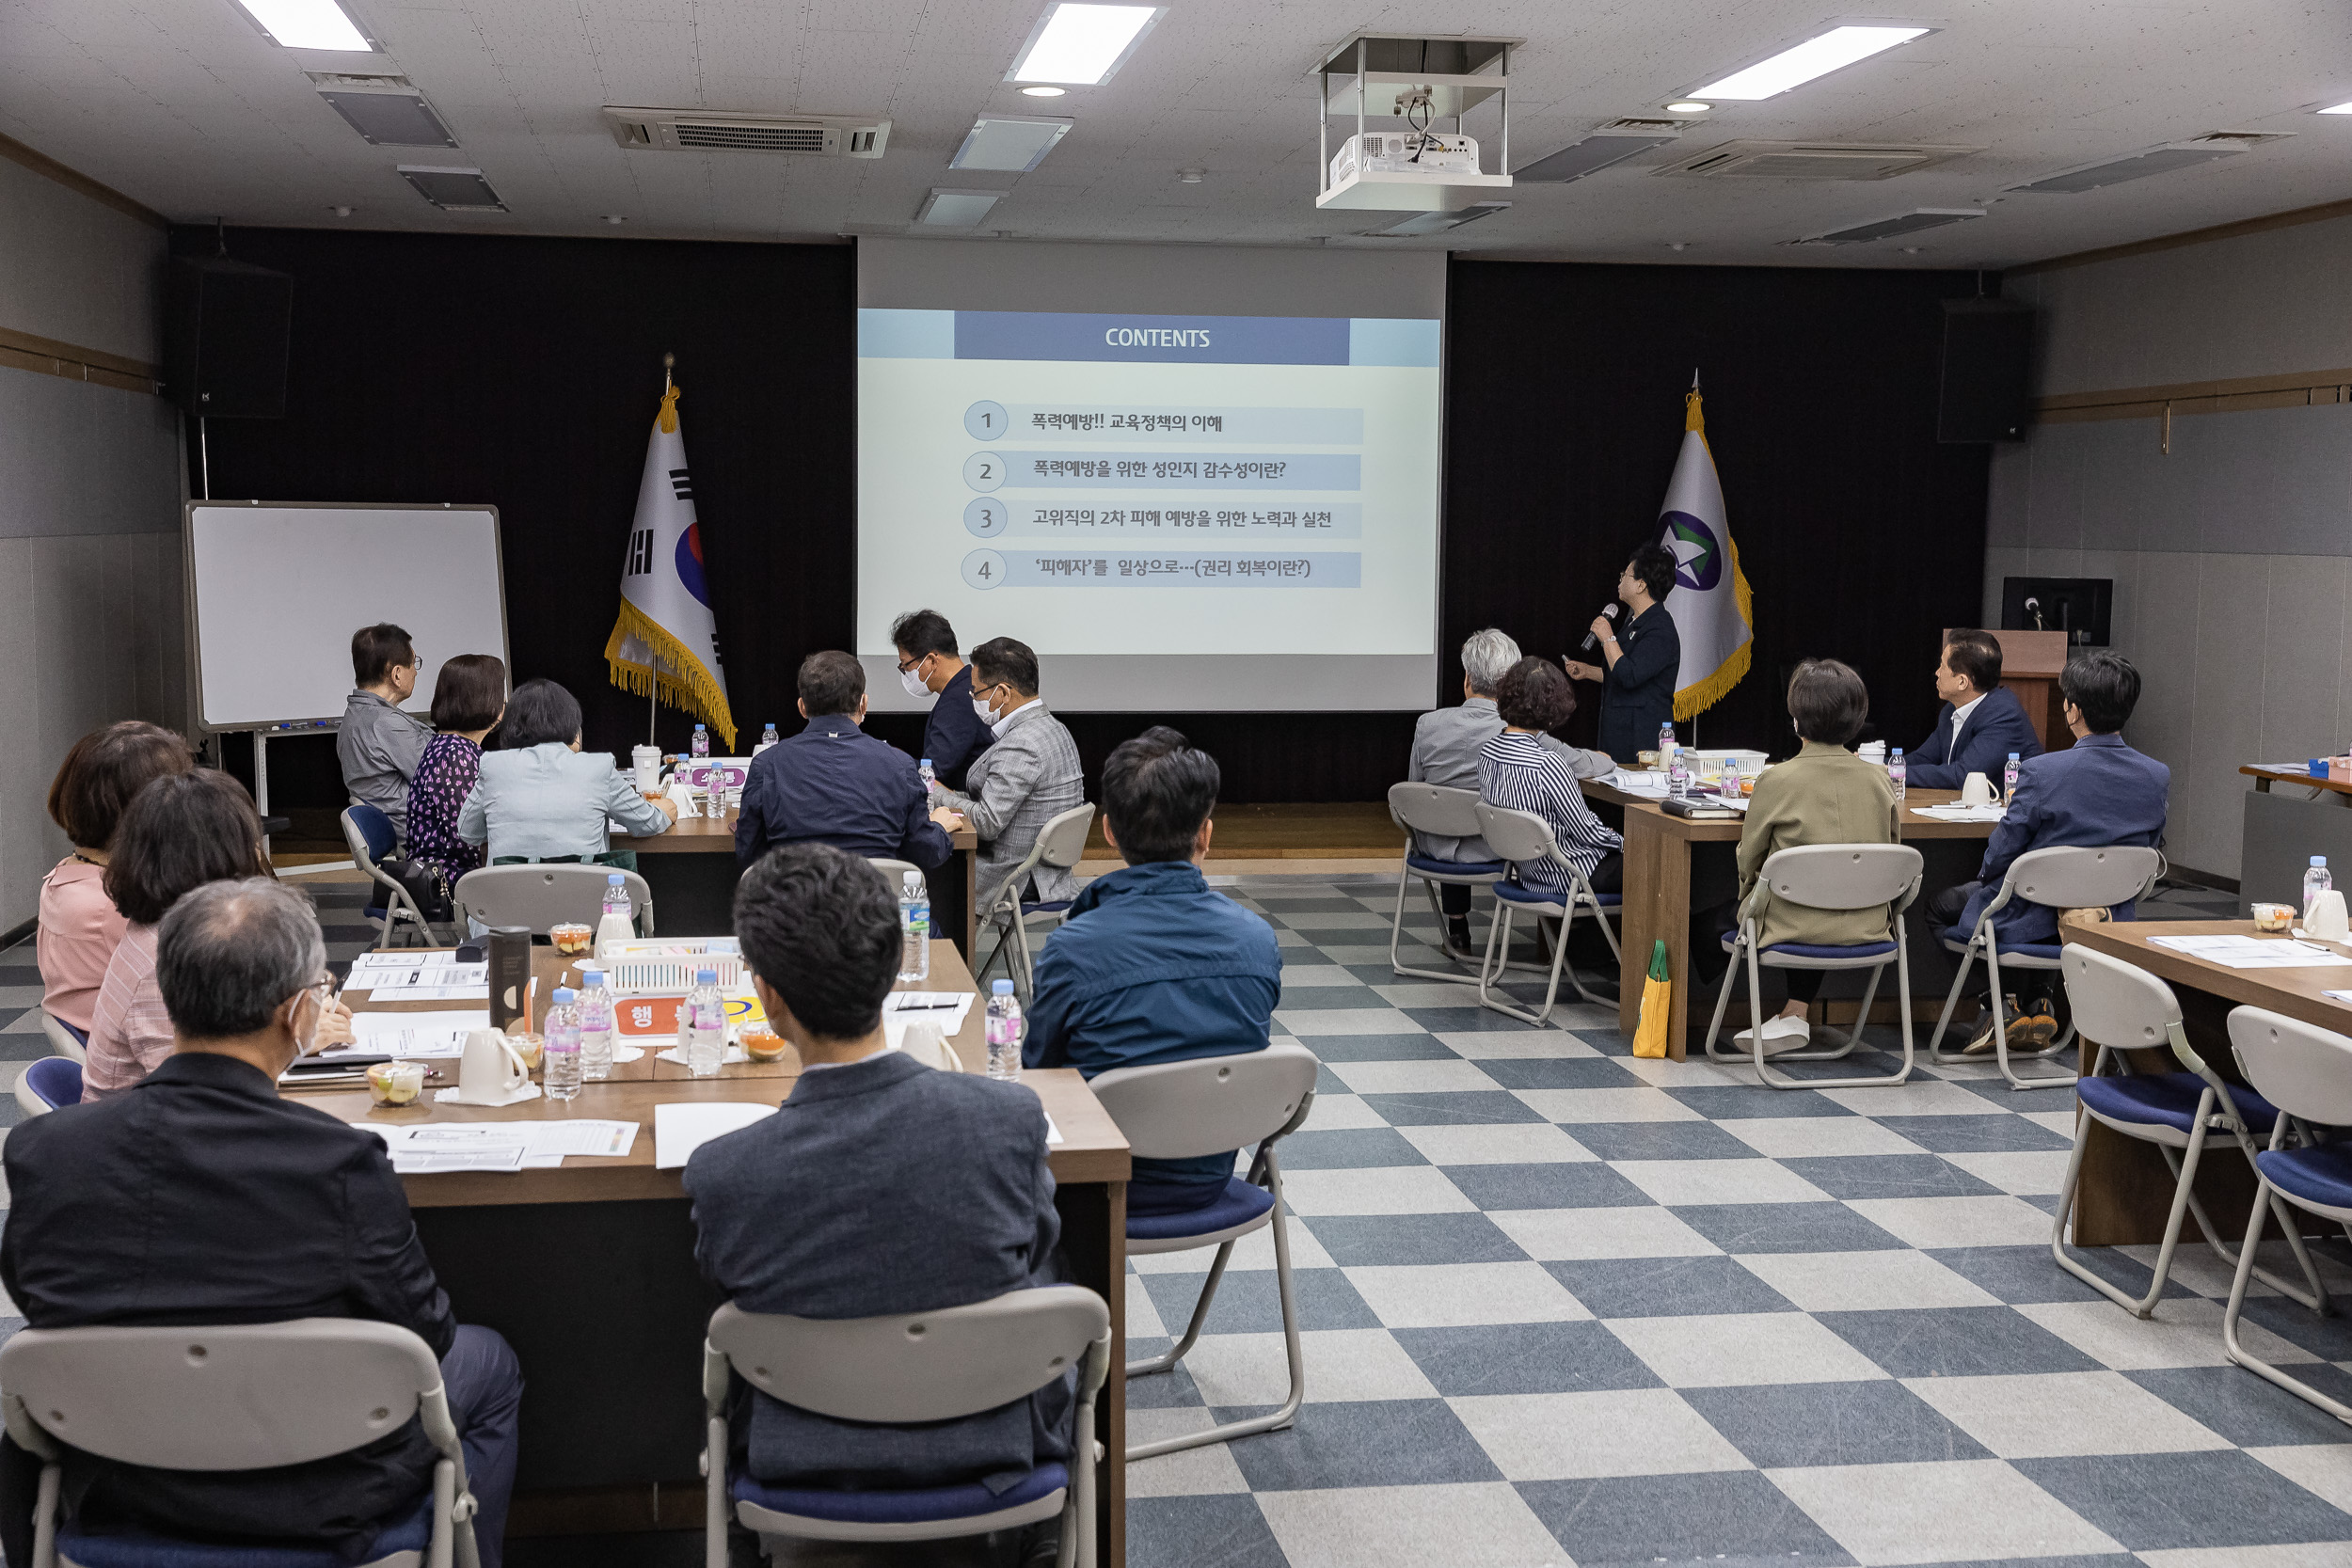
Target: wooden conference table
[1659, 879]
[588, 1269]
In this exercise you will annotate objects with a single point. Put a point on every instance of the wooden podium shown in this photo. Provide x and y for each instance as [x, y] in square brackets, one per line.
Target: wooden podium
[2032, 662]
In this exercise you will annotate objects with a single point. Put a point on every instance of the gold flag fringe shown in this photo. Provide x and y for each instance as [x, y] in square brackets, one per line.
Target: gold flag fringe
[1691, 701]
[677, 678]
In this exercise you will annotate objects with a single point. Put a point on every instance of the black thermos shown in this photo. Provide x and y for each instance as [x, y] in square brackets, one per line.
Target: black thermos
[510, 977]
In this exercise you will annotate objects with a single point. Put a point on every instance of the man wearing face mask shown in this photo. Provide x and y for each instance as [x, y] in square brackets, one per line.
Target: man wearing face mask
[1029, 777]
[927, 666]
[199, 1195]
[835, 784]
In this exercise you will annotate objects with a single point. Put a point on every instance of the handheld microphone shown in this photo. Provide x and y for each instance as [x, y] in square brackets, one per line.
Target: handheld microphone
[1593, 637]
[2033, 608]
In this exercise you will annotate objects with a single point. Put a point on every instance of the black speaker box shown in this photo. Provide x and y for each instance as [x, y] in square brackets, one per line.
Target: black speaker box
[225, 328]
[1988, 369]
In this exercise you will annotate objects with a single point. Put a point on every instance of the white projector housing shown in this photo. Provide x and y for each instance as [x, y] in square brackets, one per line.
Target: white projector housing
[1405, 152]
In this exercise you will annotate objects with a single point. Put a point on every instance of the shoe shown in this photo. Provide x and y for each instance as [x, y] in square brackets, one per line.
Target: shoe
[2040, 1028]
[1781, 1035]
[2027, 1031]
[1458, 938]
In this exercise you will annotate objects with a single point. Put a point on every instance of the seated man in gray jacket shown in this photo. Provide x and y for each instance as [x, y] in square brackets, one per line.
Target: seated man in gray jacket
[1027, 779]
[1445, 752]
[881, 1186]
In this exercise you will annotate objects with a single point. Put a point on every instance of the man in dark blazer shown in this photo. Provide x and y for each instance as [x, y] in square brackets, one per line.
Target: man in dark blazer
[881, 1186]
[2096, 793]
[1982, 722]
[928, 665]
[834, 784]
[1642, 661]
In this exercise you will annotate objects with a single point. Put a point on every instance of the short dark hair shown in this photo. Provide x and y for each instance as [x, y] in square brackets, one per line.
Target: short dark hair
[1655, 565]
[1000, 658]
[229, 953]
[1535, 694]
[821, 928]
[1157, 789]
[1828, 701]
[831, 681]
[183, 830]
[538, 712]
[375, 649]
[468, 692]
[921, 633]
[104, 770]
[2104, 685]
[1976, 654]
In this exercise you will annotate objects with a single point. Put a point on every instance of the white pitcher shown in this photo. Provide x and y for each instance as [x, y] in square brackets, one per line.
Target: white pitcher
[492, 1072]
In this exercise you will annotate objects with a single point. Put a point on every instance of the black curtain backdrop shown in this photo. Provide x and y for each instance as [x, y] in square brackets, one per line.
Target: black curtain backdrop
[524, 372]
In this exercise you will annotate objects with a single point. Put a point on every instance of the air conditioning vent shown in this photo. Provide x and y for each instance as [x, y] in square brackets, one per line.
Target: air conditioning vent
[794, 136]
[1608, 145]
[452, 190]
[1673, 127]
[1780, 160]
[1888, 229]
[2136, 166]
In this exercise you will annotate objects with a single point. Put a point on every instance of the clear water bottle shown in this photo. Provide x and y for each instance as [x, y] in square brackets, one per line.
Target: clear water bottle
[1677, 775]
[701, 747]
[767, 737]
[914, 928]
[2008, 780]
[619, 923]
[2315, 881]
[1729, 783]
[929, 776]
[595, 1026]
[702, 1025]
[1006, 1029]
[561, 1060]
[1898, 774]
[1665, 745]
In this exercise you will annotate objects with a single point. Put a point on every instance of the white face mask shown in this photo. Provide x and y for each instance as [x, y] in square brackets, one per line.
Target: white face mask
[986, 714]
[913, 680]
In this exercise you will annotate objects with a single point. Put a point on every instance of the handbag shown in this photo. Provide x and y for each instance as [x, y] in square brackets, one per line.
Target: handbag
[1658, 994]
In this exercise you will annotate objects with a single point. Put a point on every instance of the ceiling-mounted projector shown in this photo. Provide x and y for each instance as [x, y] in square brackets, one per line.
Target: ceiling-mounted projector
[1383, 96]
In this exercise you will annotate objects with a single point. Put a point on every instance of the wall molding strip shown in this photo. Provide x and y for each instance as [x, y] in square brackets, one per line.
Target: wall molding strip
[24, 351]
[2290, 389]
[82, 184]
[2291, 218]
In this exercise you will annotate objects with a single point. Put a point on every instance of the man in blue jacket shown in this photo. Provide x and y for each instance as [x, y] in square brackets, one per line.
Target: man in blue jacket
[1153, 966]
[1982, 720]
[836, 785]
[2096, 793]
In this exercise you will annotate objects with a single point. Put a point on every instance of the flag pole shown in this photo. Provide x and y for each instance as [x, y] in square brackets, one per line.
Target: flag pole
[653, 701]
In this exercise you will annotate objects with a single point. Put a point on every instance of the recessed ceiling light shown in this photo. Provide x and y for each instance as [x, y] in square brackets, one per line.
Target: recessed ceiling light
[1688, 106]
[308, 25]
[615, 218]
[1190, 176]
[1082, 45]
[1816, 56]
[2338, 110]
[949, 209]
[1043, 92]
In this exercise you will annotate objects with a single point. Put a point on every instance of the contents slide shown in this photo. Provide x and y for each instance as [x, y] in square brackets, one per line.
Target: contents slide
[1130, 486]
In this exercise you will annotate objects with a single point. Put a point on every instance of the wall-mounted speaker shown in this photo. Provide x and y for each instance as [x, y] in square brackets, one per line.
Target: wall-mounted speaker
[225, 332]
[1988, 371]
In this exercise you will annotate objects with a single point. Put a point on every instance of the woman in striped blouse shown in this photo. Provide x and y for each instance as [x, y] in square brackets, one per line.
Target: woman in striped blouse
[1516, 772]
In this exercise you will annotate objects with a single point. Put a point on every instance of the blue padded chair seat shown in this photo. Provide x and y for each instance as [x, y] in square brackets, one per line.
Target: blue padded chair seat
[81, 1037]
[377, 911]
[376, 830]
[55, 1079]
[915, 1506]
[1958, 936]
[1238, 1204]
[1810, 950]
[1513, 893]
[411, 1533]
[1056, 907]
[1456, 869]
[2167, 1100]
[2322, 1175]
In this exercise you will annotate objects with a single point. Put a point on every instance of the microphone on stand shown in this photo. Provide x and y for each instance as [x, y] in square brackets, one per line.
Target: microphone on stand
[1593, 637]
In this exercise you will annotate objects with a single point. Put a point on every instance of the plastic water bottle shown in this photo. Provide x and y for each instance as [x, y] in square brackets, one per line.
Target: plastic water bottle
[561, 1069]
[2008, 780]
[1729, 784]
[1006, 1029]
[914, 928]
[767, 737]
[701, 746]
[617, 923]
[929, 776]
[2315, 881]
[702, 1025]
[1677, 775]
[595, 1026]
[1898, 774]
[1665, 745]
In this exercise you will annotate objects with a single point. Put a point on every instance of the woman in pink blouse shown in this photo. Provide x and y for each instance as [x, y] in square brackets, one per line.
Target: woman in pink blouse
[79, 925]
[180, 833]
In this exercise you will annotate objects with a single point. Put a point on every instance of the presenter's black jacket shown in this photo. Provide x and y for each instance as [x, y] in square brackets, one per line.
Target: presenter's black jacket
[954, 735]
[838, 785]
[1637, 695]
[198, 1197]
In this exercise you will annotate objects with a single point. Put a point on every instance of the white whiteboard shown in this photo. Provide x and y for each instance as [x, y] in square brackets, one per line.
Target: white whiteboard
[276, 592]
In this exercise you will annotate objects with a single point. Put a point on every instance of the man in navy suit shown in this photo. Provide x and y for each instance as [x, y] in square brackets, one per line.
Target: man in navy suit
[1982, 722]
[2098, 792]
[836, 785]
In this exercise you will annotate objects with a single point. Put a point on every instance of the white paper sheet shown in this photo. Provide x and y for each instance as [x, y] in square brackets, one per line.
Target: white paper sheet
[502, 1145]
[679, 1130]
[410, 1037]
[424, 978]
[1958, 812]
[1052, 1133]
[731, 1054]
[2242, 952]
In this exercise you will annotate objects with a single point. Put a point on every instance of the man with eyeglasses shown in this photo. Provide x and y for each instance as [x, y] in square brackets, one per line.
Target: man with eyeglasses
[199, 1196]
[927, 665]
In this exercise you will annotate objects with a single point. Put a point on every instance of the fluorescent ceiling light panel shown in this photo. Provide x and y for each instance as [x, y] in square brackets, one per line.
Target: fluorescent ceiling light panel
[1816, 56]
[1082, 45]
[944, 209]
[2338, 110]
[308, 25]
[1011, 144]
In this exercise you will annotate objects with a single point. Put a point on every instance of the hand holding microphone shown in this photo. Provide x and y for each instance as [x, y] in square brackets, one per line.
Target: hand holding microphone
[1602, 623]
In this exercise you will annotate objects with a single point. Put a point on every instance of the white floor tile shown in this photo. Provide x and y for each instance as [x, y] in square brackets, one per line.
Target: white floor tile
[1427, 993]
[1192, 1473]
[1306, 1023]
[1570, 1106]
[1959, 1510]
[1369, 954]
[1491, 1045]
[1519, 1143]
[1805, 1137]
[1341, 1113]
[2023, 1173]
[1253, 1251]
[1343, 1365]
[1454, 1295]
[1415, 1077]
[1955, 1222]
[2315, 1554]
[1381, 1189]
[1317, 975]
[2321, 1468]
[2053, 1415]
[1744, 1349]
[1696, 1072]
[1916, 1099]
[1696, 1181]
[1144, 1320]
[1863, 1281]
[1482, 1524]
[1633, 1231]
[1638, 1432]
[2061, 1122]
[2185, 1332]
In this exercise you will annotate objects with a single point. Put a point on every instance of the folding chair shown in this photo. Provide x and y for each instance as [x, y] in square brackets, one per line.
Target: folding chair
[1824, 877]
[1061, 844]
[2065, 878]
[546, 894]
[64, 1039]
[368, 833]
[247, 1397]
[2124, 1009]
[1208, 1105]
[2306, 1071]
[49, 1082]
[906, 1370]
[1523, 838]
[1441, 812]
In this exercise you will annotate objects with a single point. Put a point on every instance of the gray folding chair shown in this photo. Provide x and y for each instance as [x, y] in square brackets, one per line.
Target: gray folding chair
[1210, 1105]
[543, 896]
[248, 1397]
[64, 1039]
[2305, 1072]
[906, 1370]
[1825, 876]
[1523, 838]
[369, 834]
[1441, 812]
[2065, 878]
[1061, 844]
[2126, 1008]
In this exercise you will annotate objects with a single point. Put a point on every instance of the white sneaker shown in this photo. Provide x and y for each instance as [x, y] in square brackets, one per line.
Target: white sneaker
[1781, 1035]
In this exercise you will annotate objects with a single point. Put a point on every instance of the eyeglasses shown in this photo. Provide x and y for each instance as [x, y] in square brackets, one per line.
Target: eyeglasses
[914, 663]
